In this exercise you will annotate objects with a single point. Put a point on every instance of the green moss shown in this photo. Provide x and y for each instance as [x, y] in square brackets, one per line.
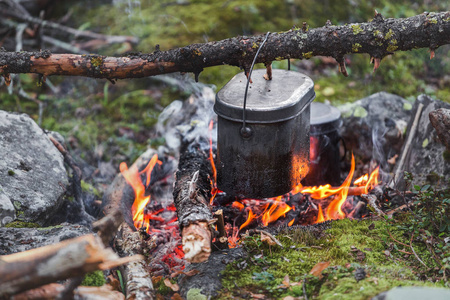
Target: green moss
[357, 29]
[377, 33]
[86, 187]
[446, 155]
[95, 278]
[391, 48]
[96, 61]
[195, 294]
[432, 21]
[17, 205]
[49, 227]
[21, 224]
[267, 266]
[11, 172]
[308, 55]
[355, 47]
[389, 34]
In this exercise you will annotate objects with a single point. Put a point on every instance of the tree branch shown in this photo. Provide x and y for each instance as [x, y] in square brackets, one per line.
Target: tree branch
[379, 38]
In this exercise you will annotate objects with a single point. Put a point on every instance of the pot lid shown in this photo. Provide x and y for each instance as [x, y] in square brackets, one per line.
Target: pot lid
[282, 98]
[322, 113]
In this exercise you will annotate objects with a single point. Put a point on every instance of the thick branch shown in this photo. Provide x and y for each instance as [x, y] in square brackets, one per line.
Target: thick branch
[378, 38]
[67, 259]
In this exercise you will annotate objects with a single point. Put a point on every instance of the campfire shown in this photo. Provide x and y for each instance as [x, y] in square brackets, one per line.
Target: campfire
[304, 205]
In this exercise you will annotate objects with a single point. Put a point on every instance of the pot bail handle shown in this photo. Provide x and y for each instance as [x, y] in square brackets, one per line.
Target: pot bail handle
[247, 132]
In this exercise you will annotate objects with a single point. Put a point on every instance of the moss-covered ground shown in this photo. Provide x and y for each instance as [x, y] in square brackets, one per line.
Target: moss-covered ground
[349, 247]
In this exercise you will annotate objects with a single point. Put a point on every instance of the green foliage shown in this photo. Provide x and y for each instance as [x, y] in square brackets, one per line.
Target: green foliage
[95, 278]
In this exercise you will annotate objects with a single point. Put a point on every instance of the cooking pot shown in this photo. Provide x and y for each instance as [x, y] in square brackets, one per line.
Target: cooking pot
[267, 154]
[324, 150]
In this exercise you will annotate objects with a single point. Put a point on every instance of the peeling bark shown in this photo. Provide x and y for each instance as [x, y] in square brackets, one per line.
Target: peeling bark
[379, 38]
[192, 192]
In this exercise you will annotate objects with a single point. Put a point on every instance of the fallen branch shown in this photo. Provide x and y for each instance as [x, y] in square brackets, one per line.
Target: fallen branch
[51, 291]
[378, 38]
[138, 279]
[67, 259]
[24, 16]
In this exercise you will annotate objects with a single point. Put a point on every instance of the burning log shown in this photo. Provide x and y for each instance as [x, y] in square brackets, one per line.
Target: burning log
[378, 38]
[70, 258]
[192, 193]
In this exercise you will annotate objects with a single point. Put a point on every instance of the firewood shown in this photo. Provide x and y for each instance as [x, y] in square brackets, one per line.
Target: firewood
[138, 281]
[192, 192]
[53, 290]
[67, 259]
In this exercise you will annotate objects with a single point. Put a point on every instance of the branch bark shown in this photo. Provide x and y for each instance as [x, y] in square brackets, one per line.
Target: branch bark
[379, 38]
[67, 259]
[192, 193]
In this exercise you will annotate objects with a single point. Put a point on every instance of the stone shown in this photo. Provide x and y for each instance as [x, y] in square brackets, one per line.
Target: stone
[373, 127]
[414, 293]
[7, 211]
[14, 240]
[32, 173]
[426, 157]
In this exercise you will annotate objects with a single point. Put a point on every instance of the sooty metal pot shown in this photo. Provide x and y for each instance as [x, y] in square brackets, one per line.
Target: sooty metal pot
[324, 151]
[269, 156]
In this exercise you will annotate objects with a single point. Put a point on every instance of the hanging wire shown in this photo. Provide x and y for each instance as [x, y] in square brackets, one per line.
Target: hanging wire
[245, 131]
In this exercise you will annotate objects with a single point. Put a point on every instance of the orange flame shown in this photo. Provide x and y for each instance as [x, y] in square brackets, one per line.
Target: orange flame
[133, 177]
[250, 218]
[214, 189]
[275, 211]
[334, 210]
[238, 205]
[320, 217]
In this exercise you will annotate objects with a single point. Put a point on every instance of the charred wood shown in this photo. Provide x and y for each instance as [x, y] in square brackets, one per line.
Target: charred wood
[192, 193]
[378, 38]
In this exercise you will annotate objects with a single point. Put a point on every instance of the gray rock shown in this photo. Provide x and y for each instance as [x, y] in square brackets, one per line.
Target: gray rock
[426, 158]
[32, 172]
[414, 293]
[374, 127]
[209, 278]
[7, 211]
[14, 240]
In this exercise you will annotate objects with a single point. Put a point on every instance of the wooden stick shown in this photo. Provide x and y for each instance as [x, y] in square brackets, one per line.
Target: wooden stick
[400, 168]
[67, 259]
